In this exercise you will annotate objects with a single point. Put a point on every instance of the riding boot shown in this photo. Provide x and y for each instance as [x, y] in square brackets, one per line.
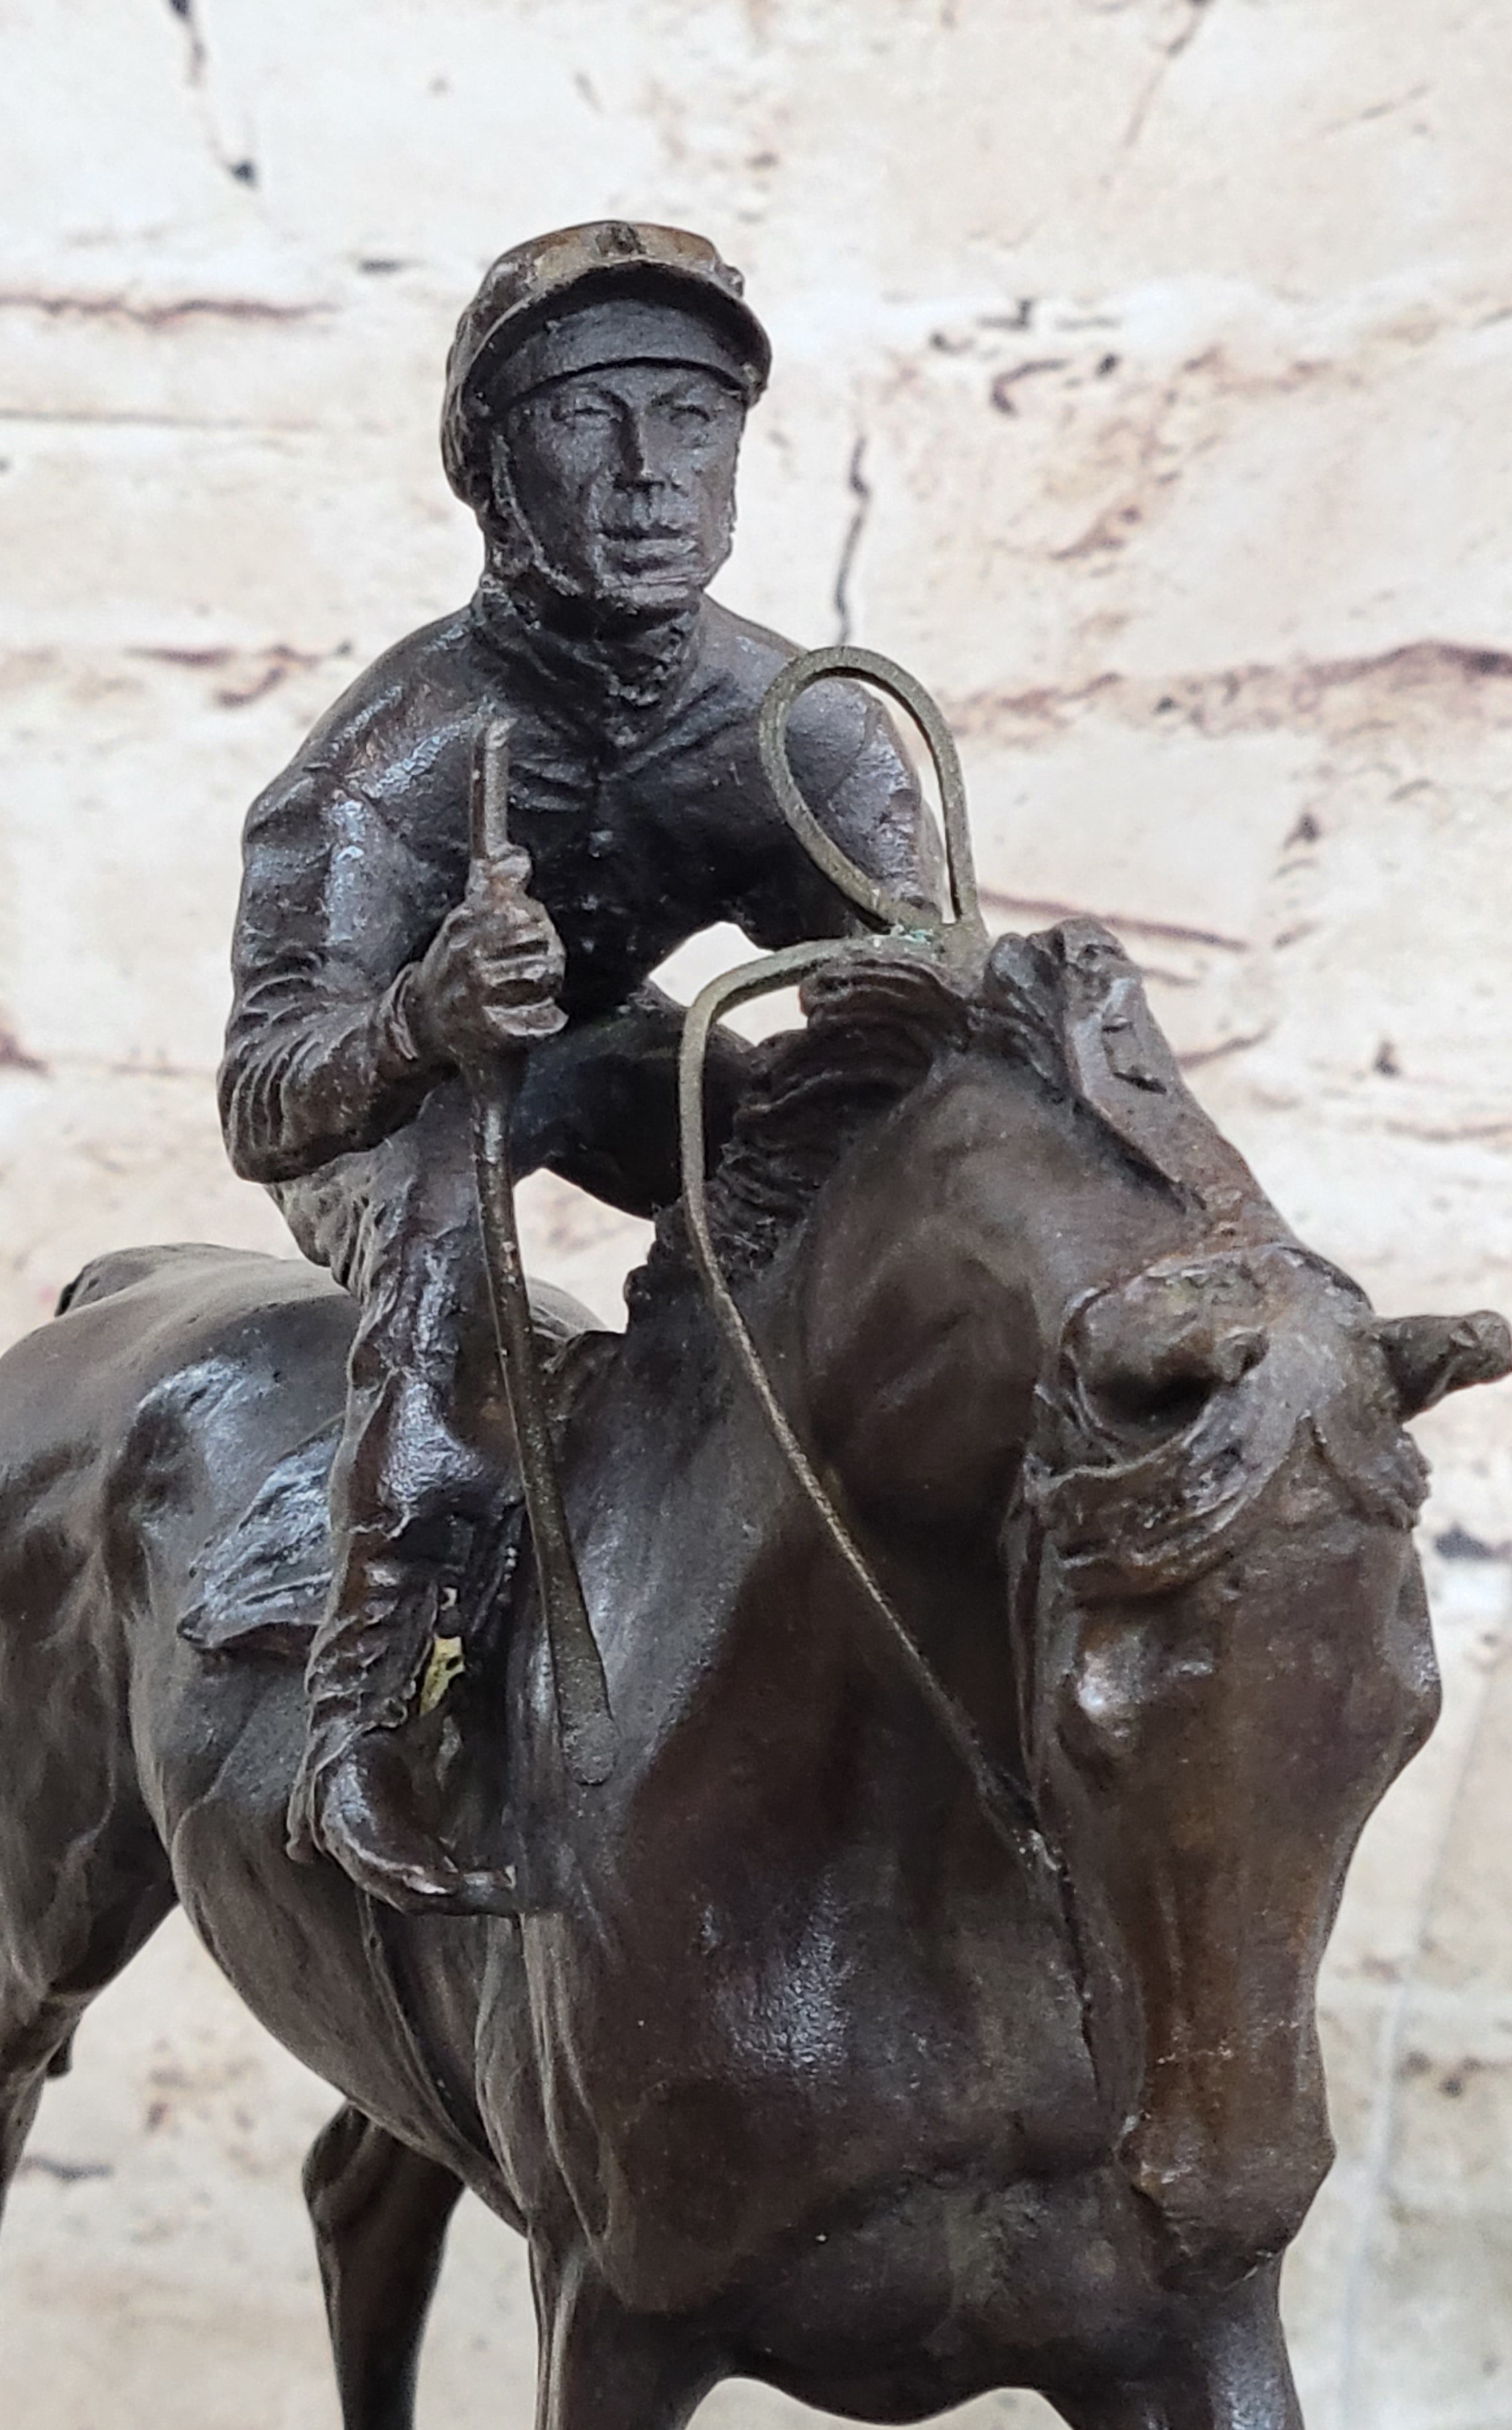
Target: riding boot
[353, 1797]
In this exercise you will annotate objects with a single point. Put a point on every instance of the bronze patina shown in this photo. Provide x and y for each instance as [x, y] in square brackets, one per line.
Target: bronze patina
[596, 391]
[881, 1960]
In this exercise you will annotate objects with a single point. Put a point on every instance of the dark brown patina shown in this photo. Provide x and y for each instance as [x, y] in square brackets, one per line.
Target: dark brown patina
[804, 2062]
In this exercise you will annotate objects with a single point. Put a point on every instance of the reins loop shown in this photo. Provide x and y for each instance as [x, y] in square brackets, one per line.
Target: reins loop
[964, 929]
[909, 931]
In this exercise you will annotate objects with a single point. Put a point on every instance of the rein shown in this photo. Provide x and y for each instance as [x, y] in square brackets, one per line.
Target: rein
[908, 931]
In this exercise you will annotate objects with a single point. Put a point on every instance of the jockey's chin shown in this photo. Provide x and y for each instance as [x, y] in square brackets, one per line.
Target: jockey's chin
[633, 571]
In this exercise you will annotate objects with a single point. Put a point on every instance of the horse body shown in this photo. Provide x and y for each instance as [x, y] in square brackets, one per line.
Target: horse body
[799, 2062]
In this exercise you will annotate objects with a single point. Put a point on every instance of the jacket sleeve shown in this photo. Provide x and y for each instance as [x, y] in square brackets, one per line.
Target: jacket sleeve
[320, 1056]
[852, 770]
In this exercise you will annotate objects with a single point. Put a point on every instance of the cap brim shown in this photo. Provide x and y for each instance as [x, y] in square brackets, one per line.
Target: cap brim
[719, 333]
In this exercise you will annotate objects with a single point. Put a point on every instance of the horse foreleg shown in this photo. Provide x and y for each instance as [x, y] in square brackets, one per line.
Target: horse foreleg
[1227, 2370]
[603, 2367]
[380, 2214]
[18, 2108]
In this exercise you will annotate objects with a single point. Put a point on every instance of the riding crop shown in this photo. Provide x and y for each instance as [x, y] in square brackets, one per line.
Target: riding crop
[583, 1716]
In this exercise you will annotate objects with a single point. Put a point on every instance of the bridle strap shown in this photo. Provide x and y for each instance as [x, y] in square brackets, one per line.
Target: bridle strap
[911, 933]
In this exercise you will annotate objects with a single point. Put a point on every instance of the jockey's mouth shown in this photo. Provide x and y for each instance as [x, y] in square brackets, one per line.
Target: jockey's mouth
[649, 536]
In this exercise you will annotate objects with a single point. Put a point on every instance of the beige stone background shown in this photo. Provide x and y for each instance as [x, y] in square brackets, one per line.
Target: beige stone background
[1145, 381]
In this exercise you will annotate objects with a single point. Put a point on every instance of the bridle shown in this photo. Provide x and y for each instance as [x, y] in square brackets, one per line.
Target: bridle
[909, 932]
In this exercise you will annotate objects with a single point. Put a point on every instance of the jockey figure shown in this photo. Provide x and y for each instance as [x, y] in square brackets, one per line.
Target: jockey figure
[596, 394]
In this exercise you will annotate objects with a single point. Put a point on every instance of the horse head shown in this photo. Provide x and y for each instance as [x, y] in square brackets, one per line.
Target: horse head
[1224, 1659]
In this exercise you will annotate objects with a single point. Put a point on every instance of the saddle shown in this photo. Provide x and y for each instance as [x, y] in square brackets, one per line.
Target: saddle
[260, 1588]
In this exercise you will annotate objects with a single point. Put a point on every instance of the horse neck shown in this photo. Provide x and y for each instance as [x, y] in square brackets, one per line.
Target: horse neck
[905, 1326]
[926, 1296]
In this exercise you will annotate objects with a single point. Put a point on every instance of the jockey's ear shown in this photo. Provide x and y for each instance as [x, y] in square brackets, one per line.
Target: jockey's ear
[1430, 1356]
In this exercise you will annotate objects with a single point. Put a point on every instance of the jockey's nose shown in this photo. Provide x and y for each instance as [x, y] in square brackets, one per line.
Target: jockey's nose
[652, 451]
[638, 467]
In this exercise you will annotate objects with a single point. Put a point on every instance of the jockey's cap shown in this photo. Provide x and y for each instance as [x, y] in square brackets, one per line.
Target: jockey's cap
[540, 312]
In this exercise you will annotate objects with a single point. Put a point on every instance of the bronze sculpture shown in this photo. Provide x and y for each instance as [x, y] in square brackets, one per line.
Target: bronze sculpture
[595, 395]
[923, 2001]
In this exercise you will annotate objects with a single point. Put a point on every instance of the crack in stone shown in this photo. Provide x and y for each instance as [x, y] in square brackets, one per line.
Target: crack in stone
[66, 2172]
[242, 167]
[13, 1056]
[1222, 700]
[1201, 9]
[153, 316]
[1378, 110]
[184, 11]
[1170, 932]
[1196, 1057]
[253, 674]
[860, 488]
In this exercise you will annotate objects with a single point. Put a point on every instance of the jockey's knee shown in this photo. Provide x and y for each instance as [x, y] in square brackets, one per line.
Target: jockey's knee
[406, 1480]
[422, 1300]
[422, 1440]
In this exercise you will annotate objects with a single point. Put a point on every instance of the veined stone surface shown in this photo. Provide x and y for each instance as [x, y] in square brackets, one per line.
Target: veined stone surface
[1144, 380]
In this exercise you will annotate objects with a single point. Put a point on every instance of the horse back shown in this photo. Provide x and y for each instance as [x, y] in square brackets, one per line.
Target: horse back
[132, 1430]
[135, 1431]
[135, 1427]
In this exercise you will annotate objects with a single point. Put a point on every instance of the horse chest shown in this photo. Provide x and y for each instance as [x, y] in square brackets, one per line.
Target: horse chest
[718, 2091]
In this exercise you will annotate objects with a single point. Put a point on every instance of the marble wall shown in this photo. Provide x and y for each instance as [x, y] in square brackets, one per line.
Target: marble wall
[1144, 380]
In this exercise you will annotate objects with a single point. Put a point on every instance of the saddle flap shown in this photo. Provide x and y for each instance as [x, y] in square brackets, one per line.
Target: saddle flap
[260, 1588]
[262, 1584]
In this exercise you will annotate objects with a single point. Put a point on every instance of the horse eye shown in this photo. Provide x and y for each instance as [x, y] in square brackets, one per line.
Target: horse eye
[1169, 1405]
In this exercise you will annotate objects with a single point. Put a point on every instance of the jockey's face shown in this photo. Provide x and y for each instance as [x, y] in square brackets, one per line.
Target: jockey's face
[625, 479]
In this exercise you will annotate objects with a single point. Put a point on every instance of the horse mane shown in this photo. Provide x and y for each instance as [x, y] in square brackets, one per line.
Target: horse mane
[875, 1031]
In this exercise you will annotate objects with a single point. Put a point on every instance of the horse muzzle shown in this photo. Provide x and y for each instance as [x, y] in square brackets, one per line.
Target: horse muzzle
[1229, 2161]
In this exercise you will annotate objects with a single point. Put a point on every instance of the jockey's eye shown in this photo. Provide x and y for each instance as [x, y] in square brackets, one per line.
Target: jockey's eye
[582, 410]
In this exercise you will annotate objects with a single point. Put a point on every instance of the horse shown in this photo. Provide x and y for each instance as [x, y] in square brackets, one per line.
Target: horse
[911, 2012]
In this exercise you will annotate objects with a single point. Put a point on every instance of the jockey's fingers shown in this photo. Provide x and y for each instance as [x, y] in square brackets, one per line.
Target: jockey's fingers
[532, 1017]
[526, 958]
[501, 874]
[498, 915]
[537, 964]
[487, 1893]
[507, 925]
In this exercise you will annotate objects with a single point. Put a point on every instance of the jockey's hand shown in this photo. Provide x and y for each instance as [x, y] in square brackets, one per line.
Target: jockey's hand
[489, 978]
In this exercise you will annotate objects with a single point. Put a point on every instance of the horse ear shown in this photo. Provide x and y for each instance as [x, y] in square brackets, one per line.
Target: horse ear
[1430, 1356]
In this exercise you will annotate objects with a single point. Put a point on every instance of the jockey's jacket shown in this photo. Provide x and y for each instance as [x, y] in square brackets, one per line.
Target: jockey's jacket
[635, 788]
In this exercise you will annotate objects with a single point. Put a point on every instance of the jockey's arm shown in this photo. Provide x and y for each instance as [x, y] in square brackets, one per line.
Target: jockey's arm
[350, 999]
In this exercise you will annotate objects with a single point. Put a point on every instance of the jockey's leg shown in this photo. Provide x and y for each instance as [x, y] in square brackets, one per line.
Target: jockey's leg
[411, 1481]
[598, 1106]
